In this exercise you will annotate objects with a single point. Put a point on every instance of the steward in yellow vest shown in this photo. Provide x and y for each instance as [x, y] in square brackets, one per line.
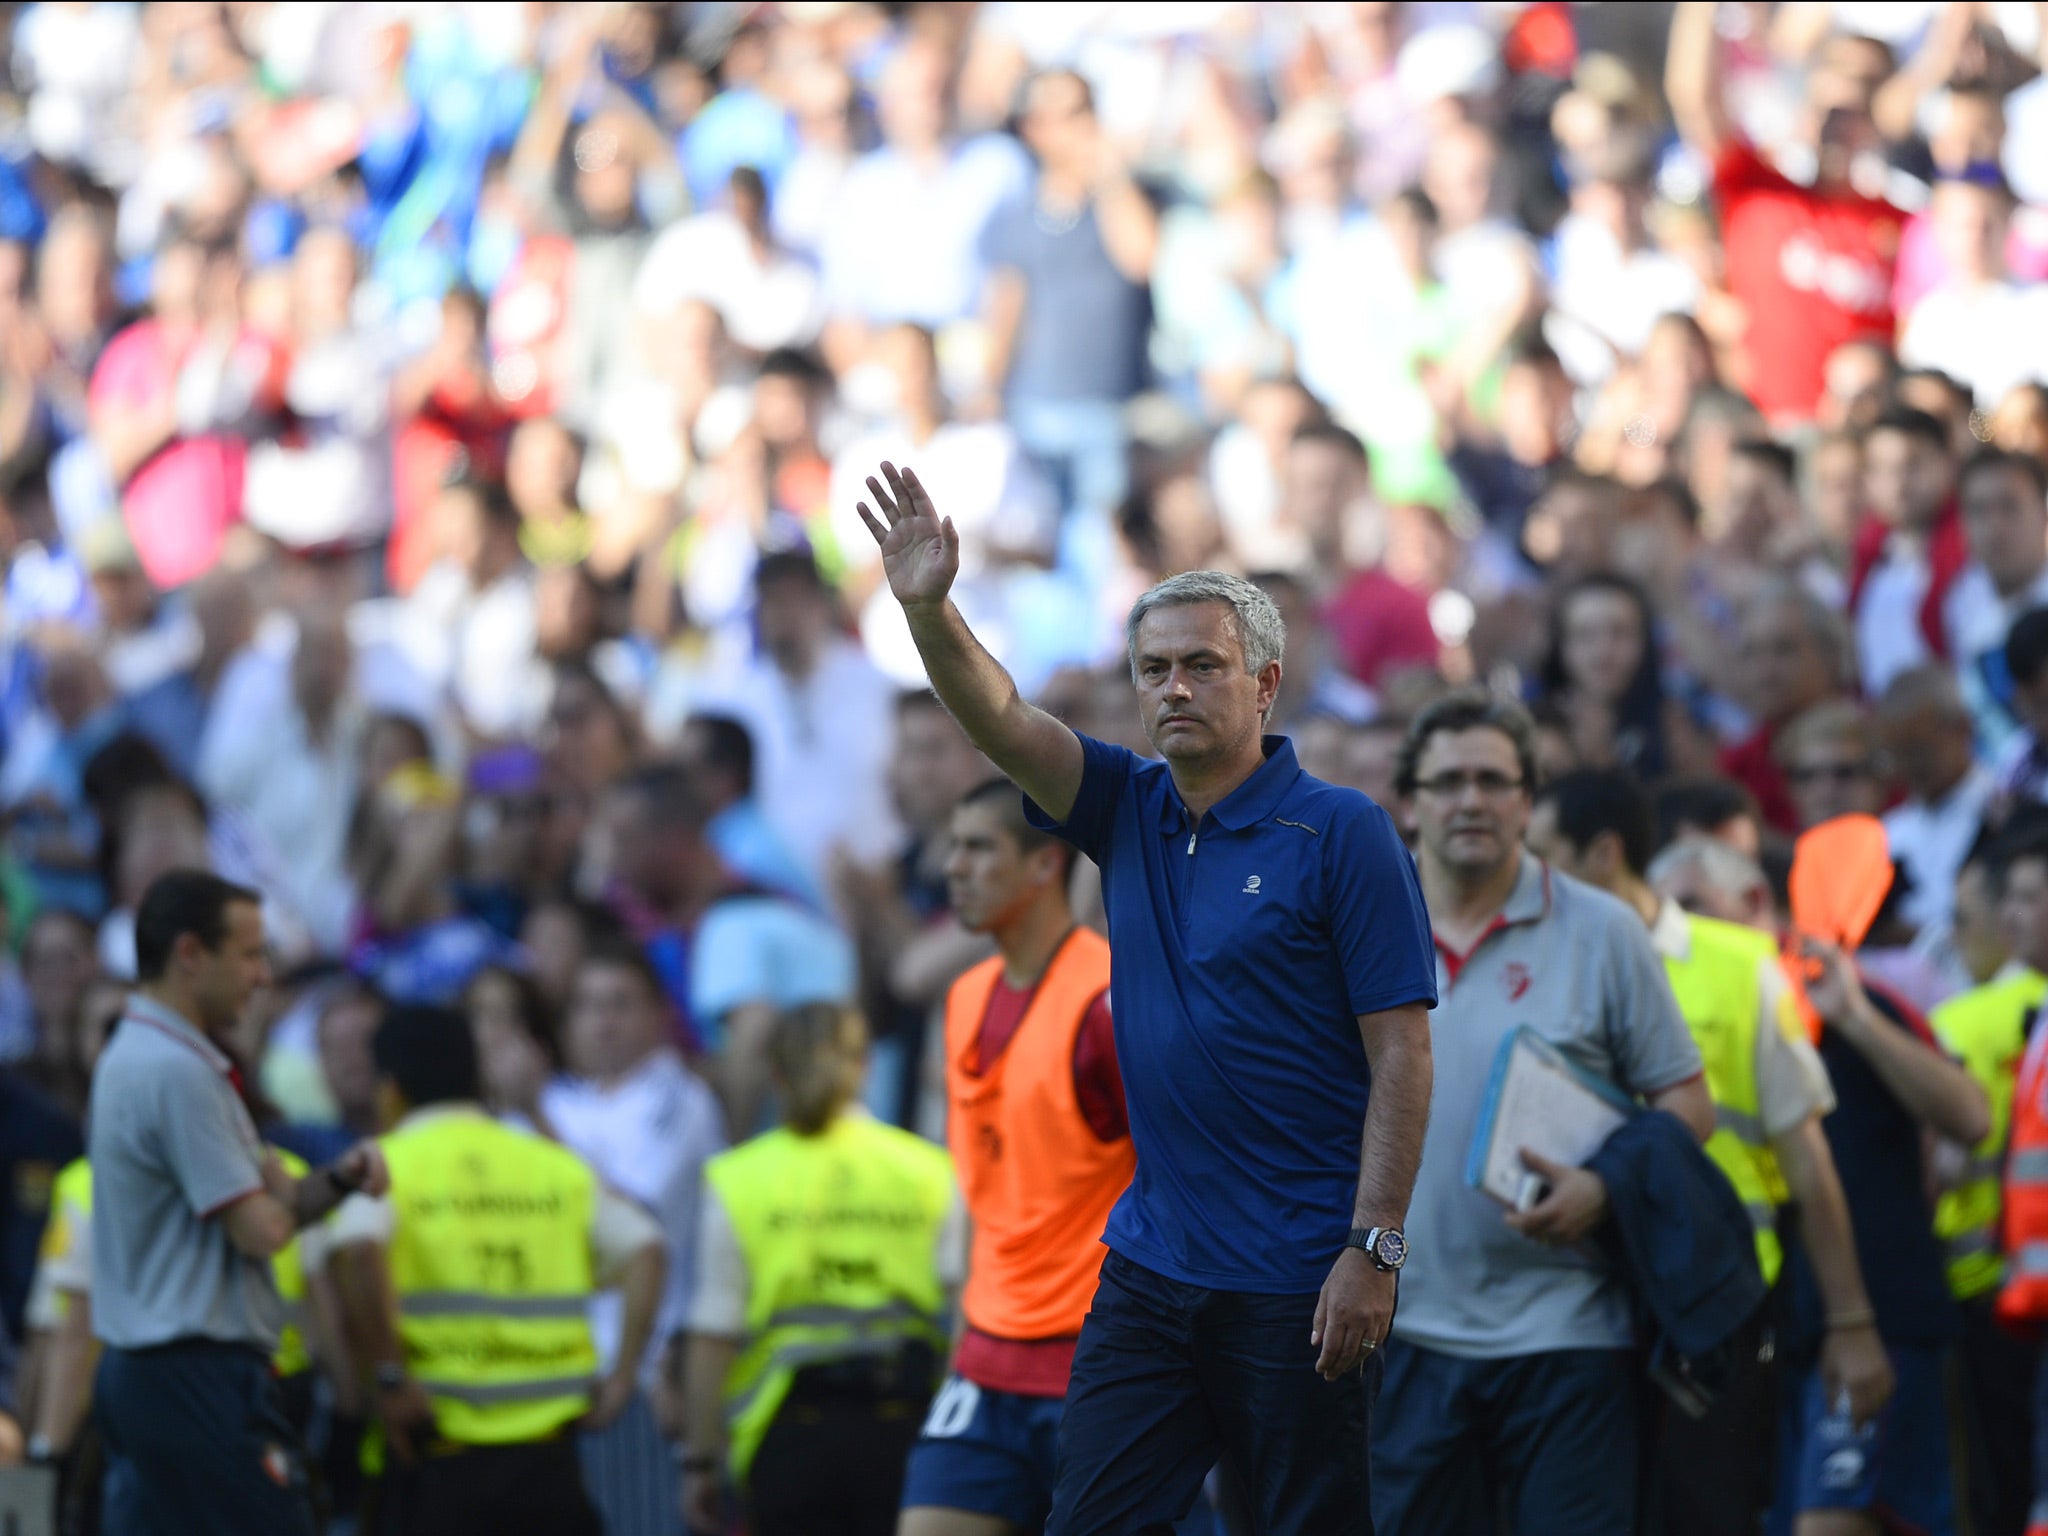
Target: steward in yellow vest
[1984, 1029]
[815, 1334]
[468, 1288]
[1770, 1094]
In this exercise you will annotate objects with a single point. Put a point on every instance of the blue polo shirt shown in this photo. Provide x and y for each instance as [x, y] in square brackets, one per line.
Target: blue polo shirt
[1242, 952]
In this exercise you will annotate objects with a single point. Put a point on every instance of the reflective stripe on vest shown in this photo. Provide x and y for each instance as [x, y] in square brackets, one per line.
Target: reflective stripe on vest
[2023, 1299]
[840, 1233]
[1983, 1029]
[1719, 986]
[491, 1262]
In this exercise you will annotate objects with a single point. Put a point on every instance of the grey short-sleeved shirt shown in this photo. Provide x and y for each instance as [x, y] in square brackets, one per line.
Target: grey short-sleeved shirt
[171, 1147]
[1576, 965]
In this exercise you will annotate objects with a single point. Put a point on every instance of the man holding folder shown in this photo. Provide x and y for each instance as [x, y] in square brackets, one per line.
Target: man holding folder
[1512, 1347]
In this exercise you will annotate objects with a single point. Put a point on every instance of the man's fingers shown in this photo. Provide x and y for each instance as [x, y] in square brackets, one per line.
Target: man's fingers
[916, 490]
[1315, 1329]
[904, 506]
[882, 500]
[874, 527]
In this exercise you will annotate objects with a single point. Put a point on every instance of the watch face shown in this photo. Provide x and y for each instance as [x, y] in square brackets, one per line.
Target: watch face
[1391, 1249]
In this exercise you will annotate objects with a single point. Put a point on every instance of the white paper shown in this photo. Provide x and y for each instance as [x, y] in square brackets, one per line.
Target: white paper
[1542, 1106]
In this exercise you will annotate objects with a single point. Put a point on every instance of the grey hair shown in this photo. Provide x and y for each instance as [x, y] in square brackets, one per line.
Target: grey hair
[1829, 631]
[1726, 869]
[1260, 633]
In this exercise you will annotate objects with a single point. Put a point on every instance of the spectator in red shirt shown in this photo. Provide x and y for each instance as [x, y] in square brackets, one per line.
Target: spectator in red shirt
[1794, 653]
[1812, 263]
[1379, 626]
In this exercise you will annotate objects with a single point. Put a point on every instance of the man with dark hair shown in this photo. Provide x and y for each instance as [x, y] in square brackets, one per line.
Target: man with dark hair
[1910, 551]
[466, 1291]
[1377, 626]
[729, 954]
[188, 1209]
[1796, 652]
[2022, 769]
[1713, 1474]
[2004, 498]
[896, 908]
[1709, 807]
[719, 752]
[1042, 1147]
[1986, 1030]
[1506, 1357]
[818, 712]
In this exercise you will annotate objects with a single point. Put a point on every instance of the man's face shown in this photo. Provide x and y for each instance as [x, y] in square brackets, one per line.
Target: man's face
[2006, 523]
[1929, 749]
[1979, 933]
[1198, 702]
[613, 1021]
[1471, 804]
[1688, 885]
[931, 766]
[989, 878]
[646, 856]
[1788, 670]
[1833, 777]
[1758, 501]
[1906, 479]
[225, 977]
[2023, 912]
[346, 1031]
[1555, 849]
[1320, 484]
[791, 618]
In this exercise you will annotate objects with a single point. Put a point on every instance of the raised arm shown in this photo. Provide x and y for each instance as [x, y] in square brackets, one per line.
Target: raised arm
[1692, 78]
[921, 555]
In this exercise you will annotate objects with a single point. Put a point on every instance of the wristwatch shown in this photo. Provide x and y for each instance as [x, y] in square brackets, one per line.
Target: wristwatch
[1385, 1246]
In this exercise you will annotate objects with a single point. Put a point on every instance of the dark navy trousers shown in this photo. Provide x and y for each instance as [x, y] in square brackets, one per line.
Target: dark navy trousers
[207, 1445]
[1169, 1378]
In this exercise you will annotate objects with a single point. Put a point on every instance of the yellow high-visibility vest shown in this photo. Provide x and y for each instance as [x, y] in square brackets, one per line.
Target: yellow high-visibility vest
[840, 1235]
[1719, 993]
[491, 1261]
[1985, 1028]
[71, 1205]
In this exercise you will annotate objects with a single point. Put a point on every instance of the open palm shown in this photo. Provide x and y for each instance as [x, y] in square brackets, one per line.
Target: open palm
[920, 550]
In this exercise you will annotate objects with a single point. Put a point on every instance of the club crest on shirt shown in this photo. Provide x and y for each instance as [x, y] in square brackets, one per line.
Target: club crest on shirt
[1515, 980]
[277, 1464]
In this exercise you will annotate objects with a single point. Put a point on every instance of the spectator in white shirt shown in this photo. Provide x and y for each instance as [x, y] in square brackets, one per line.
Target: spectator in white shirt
[1979, 326]
[819, 712]
[473, 626]
[1002, 508]
[904, 241]
[1924, 729]
[729, 259]
[2005, 521]
[647, 1125]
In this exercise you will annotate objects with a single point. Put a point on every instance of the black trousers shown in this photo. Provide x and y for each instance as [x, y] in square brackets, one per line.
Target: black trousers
[1169, 1377]
[534, 1489]
[832, 1462]
[1714, 1476]
[209, 1448]
[1995, 1380]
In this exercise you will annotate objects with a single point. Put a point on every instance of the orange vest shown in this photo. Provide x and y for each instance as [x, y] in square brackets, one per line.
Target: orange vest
[1037, 1180]
[2024, 1298]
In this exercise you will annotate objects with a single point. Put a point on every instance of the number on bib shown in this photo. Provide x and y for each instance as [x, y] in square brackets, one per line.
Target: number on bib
[952, 1410]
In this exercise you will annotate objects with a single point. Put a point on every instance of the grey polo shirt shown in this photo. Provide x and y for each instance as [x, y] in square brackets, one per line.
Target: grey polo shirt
[171, 1148]
[1576, 965]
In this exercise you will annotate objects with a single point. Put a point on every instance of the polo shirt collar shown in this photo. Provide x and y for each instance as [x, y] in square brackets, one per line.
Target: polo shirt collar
[145, 1009]
[1529, 901]
[1671, 934]
[1253, 800]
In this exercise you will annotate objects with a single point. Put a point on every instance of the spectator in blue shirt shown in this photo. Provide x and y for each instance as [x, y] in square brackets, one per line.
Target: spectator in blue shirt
[1271, 962]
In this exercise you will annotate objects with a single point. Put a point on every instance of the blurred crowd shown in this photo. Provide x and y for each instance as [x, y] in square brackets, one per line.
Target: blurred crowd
[430, 436]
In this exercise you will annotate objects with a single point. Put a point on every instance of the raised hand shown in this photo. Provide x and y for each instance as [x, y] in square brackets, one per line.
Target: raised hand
[920, 550]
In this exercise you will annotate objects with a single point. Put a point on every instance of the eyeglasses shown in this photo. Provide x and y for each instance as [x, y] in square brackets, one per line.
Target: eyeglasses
[1448, 786]
[1829, 773]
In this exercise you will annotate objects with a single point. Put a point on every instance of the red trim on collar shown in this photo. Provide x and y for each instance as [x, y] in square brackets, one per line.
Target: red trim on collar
[1455, 962]
[224, 1067]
